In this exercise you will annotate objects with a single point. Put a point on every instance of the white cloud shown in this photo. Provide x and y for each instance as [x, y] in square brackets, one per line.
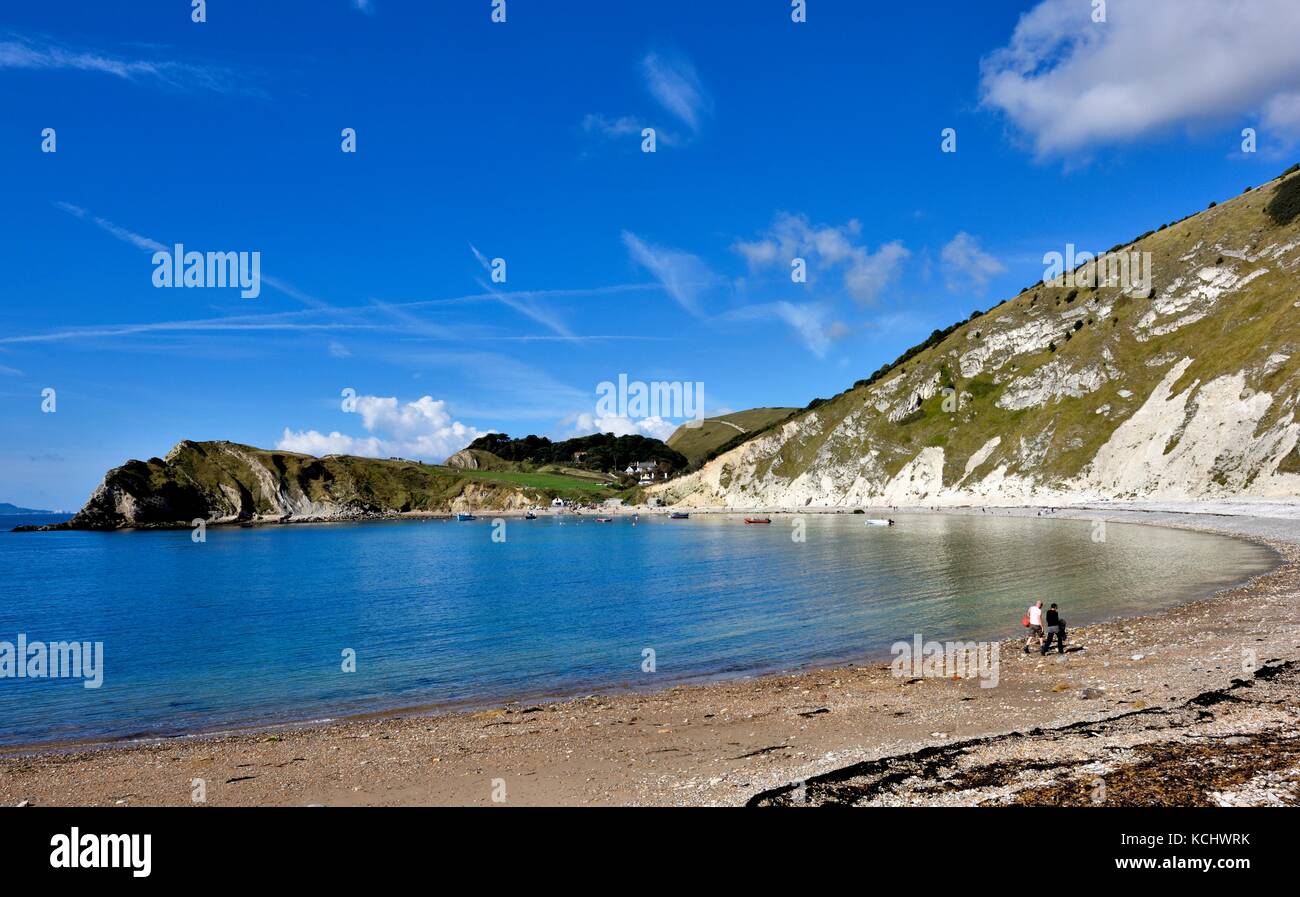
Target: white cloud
[809, 322]
[1070, 83]
[151, 245]
[39, 54]
[623, 126]
[1282, 113]
[866, 273]
[966, 267]
[312, 442]
[654, 427]
[523, 302]
[684, 276]
[419, 429]
[675, 85]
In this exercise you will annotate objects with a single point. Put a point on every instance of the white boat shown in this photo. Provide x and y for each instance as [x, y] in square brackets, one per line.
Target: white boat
[873, 521]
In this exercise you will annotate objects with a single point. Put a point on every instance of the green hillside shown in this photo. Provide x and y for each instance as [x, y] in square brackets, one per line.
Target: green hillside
[714, 432]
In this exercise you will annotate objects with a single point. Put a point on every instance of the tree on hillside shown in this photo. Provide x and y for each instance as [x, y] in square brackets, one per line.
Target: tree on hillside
[599, 451]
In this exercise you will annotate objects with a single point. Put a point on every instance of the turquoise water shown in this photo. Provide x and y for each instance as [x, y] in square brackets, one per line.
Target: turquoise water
[249, 627]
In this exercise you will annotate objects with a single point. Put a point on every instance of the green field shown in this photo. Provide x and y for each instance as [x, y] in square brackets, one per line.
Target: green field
[553, 482]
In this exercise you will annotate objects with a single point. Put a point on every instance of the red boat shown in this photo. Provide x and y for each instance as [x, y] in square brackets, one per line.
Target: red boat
[757, 520]
[604, 519]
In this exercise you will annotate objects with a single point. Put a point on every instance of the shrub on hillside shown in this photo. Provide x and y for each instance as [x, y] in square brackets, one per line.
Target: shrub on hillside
[1285, 204]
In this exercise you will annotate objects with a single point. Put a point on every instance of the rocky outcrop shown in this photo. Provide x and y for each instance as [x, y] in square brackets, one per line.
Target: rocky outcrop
[224, 482]
[463, 459]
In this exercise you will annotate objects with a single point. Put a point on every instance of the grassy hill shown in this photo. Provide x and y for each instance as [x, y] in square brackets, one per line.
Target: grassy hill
[1068, 392]
[714, 432]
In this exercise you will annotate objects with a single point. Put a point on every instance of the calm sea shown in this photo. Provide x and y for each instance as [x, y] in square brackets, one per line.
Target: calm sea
[251, 627]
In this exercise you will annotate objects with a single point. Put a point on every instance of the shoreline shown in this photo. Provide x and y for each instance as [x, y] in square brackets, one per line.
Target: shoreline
[1231, 508]
[879, 714]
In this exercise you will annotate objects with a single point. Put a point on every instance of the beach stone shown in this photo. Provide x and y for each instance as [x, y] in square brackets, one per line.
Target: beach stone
[1090, 693]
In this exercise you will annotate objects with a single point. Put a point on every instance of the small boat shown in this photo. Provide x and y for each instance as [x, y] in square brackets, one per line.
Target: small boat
[679, 515]
[758, 520]
[530, 516]
[466, 517]
[604, 519]
[874, 521]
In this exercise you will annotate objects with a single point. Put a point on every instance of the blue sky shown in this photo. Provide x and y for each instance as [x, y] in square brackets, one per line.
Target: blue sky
[522, 141]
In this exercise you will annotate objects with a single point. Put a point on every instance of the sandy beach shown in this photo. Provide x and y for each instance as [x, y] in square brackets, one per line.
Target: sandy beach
[1196, 704]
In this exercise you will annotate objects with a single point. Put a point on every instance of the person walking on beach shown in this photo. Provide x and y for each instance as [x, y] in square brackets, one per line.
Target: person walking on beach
[1055, 629]
[1035, 617]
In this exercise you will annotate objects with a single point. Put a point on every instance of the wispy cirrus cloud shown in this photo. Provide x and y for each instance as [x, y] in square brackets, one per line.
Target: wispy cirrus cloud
[151, 245]
[685, 277]
[811, 322]
[137, 240]
[395, 316]
[241, 324]
[33, 53]
[611, 128]
[523, 302]
[967, 268]
[674, 84]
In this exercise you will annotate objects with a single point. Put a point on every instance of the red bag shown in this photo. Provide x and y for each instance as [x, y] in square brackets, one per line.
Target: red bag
[1025, 621]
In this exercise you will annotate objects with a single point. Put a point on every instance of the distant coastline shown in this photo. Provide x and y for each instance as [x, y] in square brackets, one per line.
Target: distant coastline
[8, 510]
[35, 520]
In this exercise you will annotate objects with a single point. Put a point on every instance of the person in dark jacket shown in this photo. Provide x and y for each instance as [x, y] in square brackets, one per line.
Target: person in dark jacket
[1054, 626]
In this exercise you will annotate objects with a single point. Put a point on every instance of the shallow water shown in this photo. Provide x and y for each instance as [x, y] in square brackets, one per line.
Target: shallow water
[249, 627]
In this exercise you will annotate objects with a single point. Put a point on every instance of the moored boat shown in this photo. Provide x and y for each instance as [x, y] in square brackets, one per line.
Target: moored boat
[874, 521]
[466, 517]
[758, 520]
[530, 516]
[679, 515]
[604, 519]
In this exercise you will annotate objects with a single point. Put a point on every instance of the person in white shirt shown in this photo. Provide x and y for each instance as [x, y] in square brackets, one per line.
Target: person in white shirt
[1035, 625]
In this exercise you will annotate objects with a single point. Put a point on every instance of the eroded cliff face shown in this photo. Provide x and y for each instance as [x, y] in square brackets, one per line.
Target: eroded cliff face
[224, 482]
[1068, 393]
